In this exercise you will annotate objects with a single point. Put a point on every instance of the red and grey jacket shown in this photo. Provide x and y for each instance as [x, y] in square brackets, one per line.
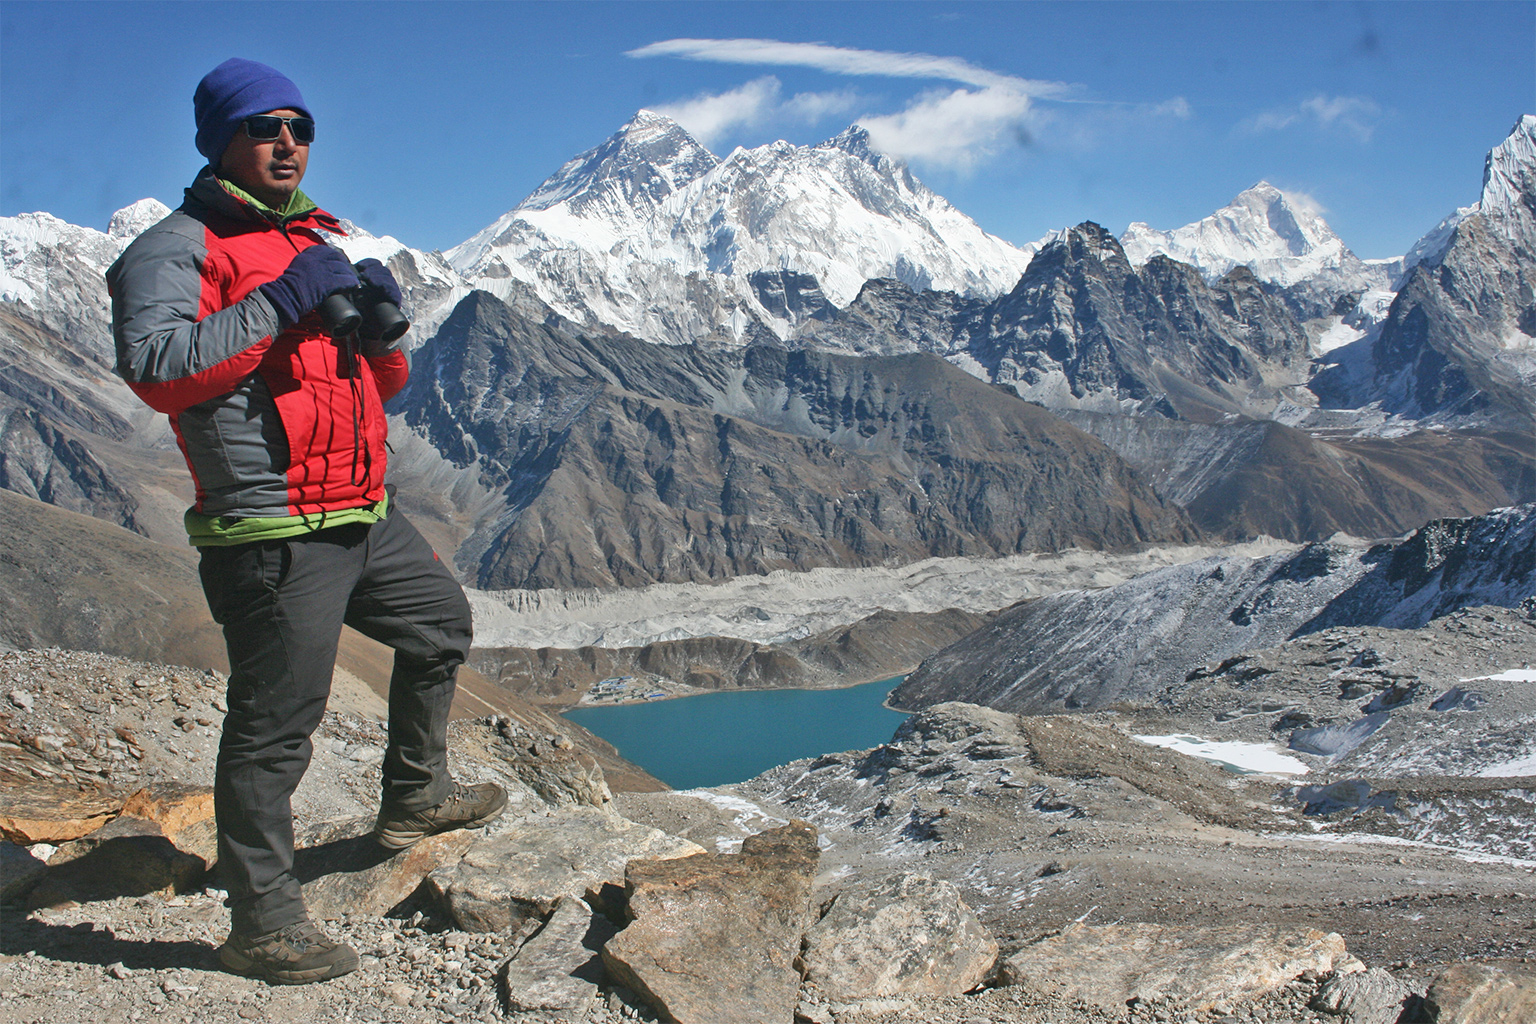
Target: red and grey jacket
[269, 423]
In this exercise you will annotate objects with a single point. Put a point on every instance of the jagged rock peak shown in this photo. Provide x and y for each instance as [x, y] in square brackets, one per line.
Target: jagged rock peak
[853, 140]
[1086, 239]
[1509, 175]
[129, 222]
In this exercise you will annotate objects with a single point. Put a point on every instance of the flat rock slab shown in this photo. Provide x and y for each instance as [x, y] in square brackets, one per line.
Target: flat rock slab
[1182, 967]
[559, 969]
[40, 811]
[174, 806]
[902, 935]
[1477, 993]
[343, 871]
[505, 879]
[713, 938]
[126, 857]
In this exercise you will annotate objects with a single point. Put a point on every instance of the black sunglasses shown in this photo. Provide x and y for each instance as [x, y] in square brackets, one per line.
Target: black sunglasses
[266, 127]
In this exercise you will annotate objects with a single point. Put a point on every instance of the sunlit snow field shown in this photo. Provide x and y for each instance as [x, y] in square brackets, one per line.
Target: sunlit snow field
[1245, 758]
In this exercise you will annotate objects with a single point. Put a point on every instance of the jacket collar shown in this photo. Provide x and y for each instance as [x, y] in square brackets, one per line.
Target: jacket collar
[231, 201]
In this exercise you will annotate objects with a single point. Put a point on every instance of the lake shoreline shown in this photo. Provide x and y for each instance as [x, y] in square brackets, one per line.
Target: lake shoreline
[729, 736]
[699, 691]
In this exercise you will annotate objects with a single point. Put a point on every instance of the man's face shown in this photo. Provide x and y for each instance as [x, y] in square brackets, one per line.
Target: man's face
[269, 170]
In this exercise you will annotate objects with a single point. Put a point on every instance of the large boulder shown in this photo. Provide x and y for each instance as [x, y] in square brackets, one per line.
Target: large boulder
[522, 872]
[36, 810]
[902, 935]
[1363, 997]
[1477, 993]
[1183, 967]
[713, 938]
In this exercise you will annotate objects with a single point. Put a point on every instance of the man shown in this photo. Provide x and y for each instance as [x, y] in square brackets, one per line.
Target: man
[283, 429]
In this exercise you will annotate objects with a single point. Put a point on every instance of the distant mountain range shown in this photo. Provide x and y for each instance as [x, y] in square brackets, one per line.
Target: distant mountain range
[1140, 642]
[665, 365]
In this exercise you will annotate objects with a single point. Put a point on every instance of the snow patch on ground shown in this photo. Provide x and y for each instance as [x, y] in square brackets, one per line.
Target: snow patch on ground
[1366, 839]
[1514, 675]
[1242, 757]
[750, 818]
[1510, 769]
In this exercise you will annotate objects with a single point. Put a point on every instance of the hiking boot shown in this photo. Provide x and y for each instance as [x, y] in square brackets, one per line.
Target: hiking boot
[466, 807]
[295, 955]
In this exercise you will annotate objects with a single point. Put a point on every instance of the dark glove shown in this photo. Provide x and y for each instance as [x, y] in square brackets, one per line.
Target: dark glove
[312, 275]
[377, 274]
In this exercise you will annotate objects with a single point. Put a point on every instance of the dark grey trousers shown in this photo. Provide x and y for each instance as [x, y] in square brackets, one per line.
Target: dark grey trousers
[282, 604]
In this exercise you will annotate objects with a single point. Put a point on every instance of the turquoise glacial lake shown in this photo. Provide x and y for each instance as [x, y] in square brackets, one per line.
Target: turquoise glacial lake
[717, 738]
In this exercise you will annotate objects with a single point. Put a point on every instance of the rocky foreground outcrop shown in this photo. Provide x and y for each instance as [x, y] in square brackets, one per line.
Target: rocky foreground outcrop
[948, 875]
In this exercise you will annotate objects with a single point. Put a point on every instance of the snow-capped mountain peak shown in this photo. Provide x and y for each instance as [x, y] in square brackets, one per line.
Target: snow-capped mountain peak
[1509, 173]
[853, 140]
[31, 243]
[1282, 238]
[56, 268]
[595, 201]
[650, 222]
[648, 159]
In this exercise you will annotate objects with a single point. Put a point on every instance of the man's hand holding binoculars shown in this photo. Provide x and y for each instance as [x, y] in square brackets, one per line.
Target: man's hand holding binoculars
[364, 299]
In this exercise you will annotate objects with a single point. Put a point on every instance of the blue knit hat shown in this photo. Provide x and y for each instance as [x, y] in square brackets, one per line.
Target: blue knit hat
[234, 91]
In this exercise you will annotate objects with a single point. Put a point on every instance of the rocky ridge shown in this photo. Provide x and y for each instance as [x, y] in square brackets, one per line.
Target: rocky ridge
[1264, 478]
[1089, 649]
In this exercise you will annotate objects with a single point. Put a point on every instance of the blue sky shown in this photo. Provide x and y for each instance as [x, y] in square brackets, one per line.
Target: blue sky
[435, 118]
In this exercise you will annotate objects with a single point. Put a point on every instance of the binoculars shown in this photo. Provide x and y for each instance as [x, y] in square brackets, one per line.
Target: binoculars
[366, 310]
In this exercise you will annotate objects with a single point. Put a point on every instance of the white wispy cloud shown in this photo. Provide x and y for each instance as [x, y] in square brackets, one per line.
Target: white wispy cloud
[954, 129]
[709, 116]
[1355, 115]
[810, 107]
[1177, 107]
[843, 61]
[945, 127]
